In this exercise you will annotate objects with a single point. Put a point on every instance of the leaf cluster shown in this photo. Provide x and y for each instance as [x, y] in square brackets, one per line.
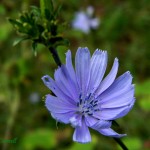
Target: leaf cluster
[41, 25]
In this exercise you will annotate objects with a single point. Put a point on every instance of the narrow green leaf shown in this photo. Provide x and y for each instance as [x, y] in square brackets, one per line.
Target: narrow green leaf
[34, 46]
[23, 18]
[42, 6]
[57, 11]
[14, 22]
[46, 4]
[49, 5]
[48, 14]
[35, 10]
[17, 41]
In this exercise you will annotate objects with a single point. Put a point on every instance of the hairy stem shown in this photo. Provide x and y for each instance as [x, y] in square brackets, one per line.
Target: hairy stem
[55, 55]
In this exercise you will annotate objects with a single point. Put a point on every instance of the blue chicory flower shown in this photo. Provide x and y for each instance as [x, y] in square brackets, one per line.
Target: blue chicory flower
[84, 21]
[84, 99]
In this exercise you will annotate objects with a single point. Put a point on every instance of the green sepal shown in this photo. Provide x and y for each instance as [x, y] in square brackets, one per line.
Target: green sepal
[17, 41]
[15, 23]
[57, 10]
[57, 41]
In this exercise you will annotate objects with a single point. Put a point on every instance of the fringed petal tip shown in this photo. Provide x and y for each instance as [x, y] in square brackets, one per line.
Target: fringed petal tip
[45, 78]
[128, 73]
[100, 51]
[116, 59]
[82, 49]
[68, 52]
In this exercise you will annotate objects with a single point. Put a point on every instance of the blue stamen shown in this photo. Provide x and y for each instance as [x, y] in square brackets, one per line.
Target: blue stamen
[88, 104]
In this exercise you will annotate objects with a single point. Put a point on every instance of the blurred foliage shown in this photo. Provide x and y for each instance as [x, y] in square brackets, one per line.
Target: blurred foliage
[133, 143]
[36, 136]
[143, 91]
[124, 32]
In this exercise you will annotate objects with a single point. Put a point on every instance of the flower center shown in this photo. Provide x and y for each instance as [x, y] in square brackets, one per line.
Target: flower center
[87, 105]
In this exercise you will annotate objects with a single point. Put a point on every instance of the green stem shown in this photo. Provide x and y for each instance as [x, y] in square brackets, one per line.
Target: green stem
[120, 143]
[42, 7]
[55, 55]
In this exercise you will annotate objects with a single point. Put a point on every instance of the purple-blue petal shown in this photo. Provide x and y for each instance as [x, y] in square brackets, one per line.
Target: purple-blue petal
[109, 79]
[117, 100]
[119, 86]
[60, 110]
[63, 117]
[82, 64]
[76, 120]
[71, 70]
[58, 91]
[69, 66]
[90, 120]
[121, 100]
[82, 134]
[63, 80]
[56, 105]
[110, 132]
[98, 66]
[113, 113]
[101, 124]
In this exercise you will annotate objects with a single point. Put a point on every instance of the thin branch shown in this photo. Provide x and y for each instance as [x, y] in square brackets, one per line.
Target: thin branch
[55, 55]
[122, 145]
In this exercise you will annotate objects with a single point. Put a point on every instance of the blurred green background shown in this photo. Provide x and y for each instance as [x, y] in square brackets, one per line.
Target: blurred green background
[124, 31]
